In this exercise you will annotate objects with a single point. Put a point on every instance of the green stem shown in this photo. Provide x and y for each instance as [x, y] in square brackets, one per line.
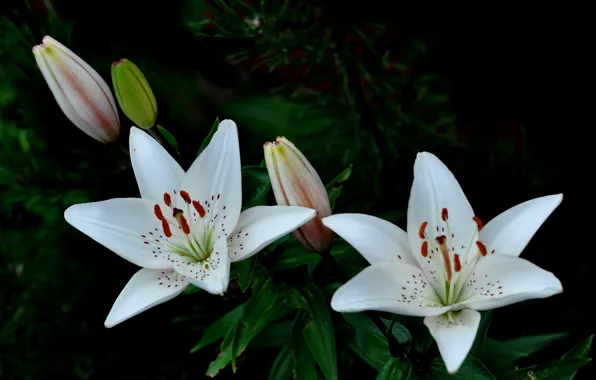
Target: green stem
[387, 332]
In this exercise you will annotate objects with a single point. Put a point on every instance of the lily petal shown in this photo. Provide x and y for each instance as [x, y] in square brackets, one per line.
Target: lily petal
[126, 226]
[454, 337]
[212, 274]
[214, 179]
[260, 225]
[511, 231]
[502, 280]
[438, 207]
[146, 288]
[156, 171]
[392, 287]
[376, 239]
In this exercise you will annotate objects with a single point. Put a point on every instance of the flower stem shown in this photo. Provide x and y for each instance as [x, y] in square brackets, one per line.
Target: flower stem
[387, 332]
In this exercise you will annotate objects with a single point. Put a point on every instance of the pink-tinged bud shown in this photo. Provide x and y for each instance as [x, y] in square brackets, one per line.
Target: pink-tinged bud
[81, 93]
[296, 183]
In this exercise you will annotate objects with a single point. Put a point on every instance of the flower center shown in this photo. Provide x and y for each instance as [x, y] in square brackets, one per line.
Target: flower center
[452, 263]
[188, 233]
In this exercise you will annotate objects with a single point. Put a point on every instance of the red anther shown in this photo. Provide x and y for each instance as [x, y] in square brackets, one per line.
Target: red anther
[166, 228]
[185, 196]
[456, 263]
[424, 249]
[444, 214]
[199, 208]
[184, 224]
[157, 211]
[167, 199]
[481, 247]
[422, 228]
[478, 223]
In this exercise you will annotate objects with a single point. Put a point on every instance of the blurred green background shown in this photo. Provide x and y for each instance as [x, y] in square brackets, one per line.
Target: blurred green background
[507, 106]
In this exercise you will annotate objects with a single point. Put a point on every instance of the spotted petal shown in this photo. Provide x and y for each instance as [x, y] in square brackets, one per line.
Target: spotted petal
[392, 287]
[126, 226]
[212, 274]
[511, 231]
[156, 171]
[455, 336]
[214, 179]
[438, 207]
[146, 288]
[502, 280]
[258, 226]
[376, 239]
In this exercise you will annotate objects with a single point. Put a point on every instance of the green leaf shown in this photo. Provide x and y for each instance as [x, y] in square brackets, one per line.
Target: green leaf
[209, 136]
[561, 369]
[395, 369]
[255, 185]
[503, 355]
[169, 138]
[368, 342]
[486, 317]
[259, 311]
[244, 269]
[472, 368]
[218, 329]
[274, 335]
[580, 351]
[283, 366]
[401, 334]
[318, 331]
[422, 339]
[334, 187]
[305, 367]
[294, 257]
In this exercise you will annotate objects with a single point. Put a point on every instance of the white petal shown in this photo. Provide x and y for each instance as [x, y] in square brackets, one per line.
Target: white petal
[146, 288]
[214, 179]
[454, 337]
[156, 171]
[376, 239]
[212, 274]
[126, 226]
[511, 231]
[501, 280]
[258, 226]
[392, 287]
[435, 189]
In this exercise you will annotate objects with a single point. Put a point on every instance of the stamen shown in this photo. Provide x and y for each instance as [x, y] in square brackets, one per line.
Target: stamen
[178, 214]
[442, 240]
[166, 228]
[167, 199]
[424, 249]
[157, 211]
[185, 196]
[456, 263]
[422, 228]
[199, 208]
[478, 223]
[481, 247]
[444, 214]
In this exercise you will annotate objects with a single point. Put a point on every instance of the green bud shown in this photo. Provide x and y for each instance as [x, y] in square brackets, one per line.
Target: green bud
[134, 94]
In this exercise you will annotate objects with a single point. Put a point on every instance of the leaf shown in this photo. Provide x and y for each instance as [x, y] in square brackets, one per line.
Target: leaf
[422, 339]
[274, 335]
[244, 269]
[260, 310]
[472, 368]
[395, 369]
[401, 334]
[318, 331]
[209, 136]
[169, 138]
[561, 369]
[294, 257]
[486, 317]
[255, 185]
[368, 342]
[218, 329]
[503, 355]
[283, 366]
[304, 362]
[580, 351]
[334, 187]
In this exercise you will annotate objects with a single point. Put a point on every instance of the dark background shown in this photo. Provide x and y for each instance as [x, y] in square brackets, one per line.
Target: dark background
[523, 99]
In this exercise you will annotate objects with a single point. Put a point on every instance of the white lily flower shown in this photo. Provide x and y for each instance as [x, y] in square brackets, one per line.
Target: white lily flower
[187, 227]
[448, 266]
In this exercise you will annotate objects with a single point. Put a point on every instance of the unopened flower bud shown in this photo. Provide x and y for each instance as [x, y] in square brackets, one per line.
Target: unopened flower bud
[134, 93]
[296, 183]
[81, 93]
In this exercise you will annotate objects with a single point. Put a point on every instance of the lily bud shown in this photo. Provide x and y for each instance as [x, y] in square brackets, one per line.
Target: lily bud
[81, 93]
[296, 183]
[134, 93]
